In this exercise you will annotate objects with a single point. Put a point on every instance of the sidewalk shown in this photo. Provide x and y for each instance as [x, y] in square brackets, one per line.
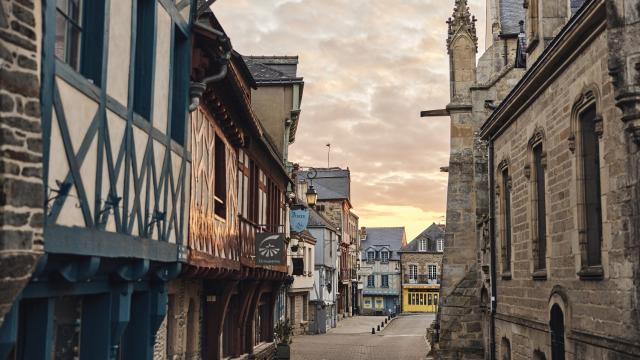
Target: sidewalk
[357, 325]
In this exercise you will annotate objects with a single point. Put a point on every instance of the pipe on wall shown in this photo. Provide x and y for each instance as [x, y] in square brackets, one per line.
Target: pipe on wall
[492, 237]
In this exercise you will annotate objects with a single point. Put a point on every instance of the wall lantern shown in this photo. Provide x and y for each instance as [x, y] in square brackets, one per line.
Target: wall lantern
[312, 196]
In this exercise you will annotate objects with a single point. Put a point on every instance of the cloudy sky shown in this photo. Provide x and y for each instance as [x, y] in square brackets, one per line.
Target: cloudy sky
[370, 67]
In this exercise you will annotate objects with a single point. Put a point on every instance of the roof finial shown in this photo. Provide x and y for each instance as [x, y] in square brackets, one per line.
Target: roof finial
[462, 20]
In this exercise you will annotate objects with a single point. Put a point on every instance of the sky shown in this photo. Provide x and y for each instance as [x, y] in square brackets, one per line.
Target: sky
[370, 67]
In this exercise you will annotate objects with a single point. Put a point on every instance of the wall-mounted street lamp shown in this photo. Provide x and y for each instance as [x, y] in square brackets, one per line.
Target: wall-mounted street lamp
[312, 196]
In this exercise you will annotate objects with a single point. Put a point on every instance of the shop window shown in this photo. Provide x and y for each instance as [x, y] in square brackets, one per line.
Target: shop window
[79, 36]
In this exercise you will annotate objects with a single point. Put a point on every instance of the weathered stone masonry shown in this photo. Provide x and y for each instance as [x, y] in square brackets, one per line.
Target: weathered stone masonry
[21, 186]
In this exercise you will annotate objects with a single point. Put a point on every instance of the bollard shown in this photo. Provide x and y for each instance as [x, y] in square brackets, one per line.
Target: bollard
[373, 331]
[385, 321]
[382, 324]
[378, 327]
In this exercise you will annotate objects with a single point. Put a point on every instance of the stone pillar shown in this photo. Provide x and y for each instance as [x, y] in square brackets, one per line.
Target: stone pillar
[21, 185]
[460, 313]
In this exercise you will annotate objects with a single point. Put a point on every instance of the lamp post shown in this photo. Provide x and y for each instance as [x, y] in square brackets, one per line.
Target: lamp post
[312, 196]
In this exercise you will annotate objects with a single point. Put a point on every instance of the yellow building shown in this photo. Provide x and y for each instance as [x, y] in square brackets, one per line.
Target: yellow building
[421, 262]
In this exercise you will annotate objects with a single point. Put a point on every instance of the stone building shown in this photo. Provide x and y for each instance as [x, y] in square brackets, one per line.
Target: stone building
[21, 189]
[564, 192]
[380, 269]
[523, 277]
[333, 186]
[421, 261]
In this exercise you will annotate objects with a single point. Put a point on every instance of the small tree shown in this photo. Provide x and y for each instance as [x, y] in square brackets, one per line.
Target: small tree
[283, 332]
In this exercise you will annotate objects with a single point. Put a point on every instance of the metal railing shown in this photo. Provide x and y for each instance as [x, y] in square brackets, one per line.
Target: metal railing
[421, 279]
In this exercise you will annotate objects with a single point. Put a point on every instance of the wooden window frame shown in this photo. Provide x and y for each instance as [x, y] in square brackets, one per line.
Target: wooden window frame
[535, 171]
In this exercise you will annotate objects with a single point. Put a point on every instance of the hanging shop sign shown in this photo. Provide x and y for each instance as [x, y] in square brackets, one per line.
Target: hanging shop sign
[270, 249]
[299, 219]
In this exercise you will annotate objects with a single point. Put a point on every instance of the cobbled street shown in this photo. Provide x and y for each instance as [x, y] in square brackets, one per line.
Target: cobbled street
[403, 338]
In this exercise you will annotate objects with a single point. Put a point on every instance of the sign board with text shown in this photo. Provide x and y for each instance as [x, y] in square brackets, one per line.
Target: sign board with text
[270, 249]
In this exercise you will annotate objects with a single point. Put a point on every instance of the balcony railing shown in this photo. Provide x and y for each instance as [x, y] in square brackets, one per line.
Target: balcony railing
[248, 232]
[421, 279]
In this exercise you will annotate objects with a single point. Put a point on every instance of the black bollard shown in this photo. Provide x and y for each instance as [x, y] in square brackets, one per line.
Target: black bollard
[378, 327]
[373, 331]
[385, 321]
[382, 324]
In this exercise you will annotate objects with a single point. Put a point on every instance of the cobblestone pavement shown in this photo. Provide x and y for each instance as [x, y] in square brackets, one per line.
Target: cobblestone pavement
[402, 339]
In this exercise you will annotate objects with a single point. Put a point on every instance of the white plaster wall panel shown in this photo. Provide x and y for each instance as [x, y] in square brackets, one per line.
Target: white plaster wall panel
[119, 50]
[140, 139]
[176, 161]
[163, 58]
[79, 110]
[159, 152]
[58, 165]
[71, 213]
[88, 173]
[185, 13]
[117, 129]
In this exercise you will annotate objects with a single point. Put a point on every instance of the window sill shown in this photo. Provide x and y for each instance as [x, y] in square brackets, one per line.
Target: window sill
[540, 274]
[506, 275]
[591, 273]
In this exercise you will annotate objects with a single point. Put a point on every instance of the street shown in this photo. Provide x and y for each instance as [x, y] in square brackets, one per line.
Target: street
[403, 338]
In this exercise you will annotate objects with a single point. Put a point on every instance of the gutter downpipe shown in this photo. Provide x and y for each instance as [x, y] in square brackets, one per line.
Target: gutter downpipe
[492, 236]
[197, 88]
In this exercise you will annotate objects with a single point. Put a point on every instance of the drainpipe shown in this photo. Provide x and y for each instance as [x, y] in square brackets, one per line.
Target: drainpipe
[197, 88]
[492, 237]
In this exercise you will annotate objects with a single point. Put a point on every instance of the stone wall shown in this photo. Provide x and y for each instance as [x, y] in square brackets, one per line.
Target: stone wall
[601, 318]
[179, 335]
[422, 260]
[21, 185]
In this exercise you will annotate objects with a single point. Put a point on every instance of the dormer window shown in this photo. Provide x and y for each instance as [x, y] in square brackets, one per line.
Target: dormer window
[384, 256]
[371, 256]
[422, 245]
[440, 245]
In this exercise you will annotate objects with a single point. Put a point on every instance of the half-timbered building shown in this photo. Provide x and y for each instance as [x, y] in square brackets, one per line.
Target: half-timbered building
[223, 306]
[116, 174]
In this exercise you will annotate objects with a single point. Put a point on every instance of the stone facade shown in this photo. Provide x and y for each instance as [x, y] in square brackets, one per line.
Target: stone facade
[21, 185]
[598, 303]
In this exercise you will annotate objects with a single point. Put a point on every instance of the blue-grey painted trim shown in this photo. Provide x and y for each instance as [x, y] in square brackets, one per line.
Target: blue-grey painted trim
[9, 329]
[175, 15]
[91, 242]
[102, 114]
[46, 88]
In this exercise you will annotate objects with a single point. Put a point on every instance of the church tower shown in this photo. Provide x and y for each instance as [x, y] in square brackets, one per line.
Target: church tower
[460, 316]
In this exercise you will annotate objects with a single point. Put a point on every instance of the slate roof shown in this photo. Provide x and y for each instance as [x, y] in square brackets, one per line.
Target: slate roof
[273, 68]
[575, 5]
[377, 237]
[432, 234]
[511, 13]
[330, 183]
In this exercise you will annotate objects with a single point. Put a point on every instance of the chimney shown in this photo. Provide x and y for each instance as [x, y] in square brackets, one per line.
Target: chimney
[363, 233]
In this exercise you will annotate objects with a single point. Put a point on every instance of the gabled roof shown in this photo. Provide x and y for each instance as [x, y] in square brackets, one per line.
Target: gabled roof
[434, 232]
[318, 220]
[393, 238]
[330, 183]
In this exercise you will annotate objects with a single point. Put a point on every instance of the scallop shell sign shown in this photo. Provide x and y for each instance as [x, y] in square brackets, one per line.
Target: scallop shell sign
[270, 249]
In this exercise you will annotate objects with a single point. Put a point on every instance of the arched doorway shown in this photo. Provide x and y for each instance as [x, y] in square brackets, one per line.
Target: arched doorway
[556, 325]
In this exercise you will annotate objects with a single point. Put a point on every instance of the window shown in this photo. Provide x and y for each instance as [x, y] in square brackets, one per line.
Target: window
[243, 183]
[433, 274]
[413, 272]
[371, 281]
[79, 36]
[371, 257]
[506, 221]
[505, 349]
[144, 56]
[384, 256]
[533, 22]
[440, 245]
[67, 326]
[540, 207]
[385, 281]
[220, 178]
[592, 194]
[179, 85]
[422, 245]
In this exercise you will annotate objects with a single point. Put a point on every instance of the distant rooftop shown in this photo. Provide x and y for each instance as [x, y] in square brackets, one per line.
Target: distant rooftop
[392, 237]
[270, 69]
[330, 183]
[432, 234]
